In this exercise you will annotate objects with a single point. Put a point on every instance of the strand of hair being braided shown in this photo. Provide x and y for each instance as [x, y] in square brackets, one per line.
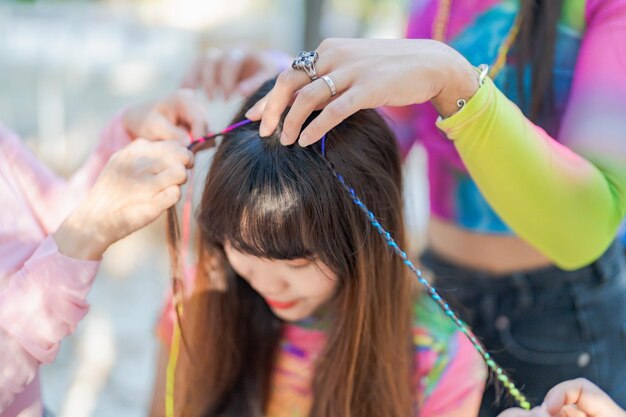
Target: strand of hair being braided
[499, 373]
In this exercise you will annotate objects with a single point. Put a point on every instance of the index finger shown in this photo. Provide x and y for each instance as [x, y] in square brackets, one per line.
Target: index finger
[271, 107]
[190, 111]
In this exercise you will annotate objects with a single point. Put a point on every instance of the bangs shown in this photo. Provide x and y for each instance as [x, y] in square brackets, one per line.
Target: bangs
[265, 219]
[262, 201]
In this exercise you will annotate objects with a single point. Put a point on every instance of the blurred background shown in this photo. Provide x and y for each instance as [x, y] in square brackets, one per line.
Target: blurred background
[66, 68]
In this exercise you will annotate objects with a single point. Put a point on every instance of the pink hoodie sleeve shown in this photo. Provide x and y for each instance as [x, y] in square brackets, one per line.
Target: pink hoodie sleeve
[42, 303]
[51, 197]
[42, 292]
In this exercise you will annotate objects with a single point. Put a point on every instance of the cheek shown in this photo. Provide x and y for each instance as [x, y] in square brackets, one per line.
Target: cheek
[316, 285]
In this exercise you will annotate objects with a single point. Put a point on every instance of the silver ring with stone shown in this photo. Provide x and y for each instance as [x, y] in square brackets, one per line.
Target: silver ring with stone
[305, 61]
[331, 85]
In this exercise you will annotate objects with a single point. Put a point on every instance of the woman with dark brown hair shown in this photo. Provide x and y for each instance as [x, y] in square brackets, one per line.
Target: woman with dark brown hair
[299, 307]
[526, 165]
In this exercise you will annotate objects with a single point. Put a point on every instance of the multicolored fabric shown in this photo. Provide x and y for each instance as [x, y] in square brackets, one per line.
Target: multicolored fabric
[448, 372]
[590, 101]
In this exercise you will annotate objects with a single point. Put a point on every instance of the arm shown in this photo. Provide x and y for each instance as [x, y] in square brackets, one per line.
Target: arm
[42, 303]
[50, 196]
[44, 298]
[568, 198]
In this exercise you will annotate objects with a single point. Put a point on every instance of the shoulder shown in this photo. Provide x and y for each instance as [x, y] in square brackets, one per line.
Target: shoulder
[443, 357]
[431, 327]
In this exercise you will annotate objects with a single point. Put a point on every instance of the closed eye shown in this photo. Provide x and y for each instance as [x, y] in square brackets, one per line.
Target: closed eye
[299, 263]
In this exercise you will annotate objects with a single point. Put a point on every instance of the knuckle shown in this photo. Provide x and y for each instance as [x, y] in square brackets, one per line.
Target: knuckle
[179, 174]
[289, 126]
[308, 93]
[287, 77]
[336, 110]
[183, 155]
[327, 43]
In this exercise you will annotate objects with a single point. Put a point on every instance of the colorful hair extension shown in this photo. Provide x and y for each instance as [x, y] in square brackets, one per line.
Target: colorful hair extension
[432, 292]
[203, 139]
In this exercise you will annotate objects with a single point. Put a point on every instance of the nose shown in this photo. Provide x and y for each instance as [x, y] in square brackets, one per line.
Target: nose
[267, 284]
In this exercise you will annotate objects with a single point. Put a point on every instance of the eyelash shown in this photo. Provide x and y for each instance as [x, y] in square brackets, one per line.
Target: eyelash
[299, 266]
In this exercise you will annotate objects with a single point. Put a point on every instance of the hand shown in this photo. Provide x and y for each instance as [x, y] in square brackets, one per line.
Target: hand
[575, 398]
[234, 70]
[367, 74]
[580, 398]
[138, 183]
[518, 412]
[169, 119]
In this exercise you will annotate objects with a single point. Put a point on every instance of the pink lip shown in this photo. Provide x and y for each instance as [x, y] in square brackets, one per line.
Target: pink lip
[282, 305]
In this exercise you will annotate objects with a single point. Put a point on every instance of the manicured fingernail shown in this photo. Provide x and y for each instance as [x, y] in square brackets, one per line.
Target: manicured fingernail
[252, 114]
[284, 139]
[304, 141]
[263, 129]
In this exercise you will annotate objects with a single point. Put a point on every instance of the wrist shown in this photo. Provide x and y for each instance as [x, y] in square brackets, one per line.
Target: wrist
[80, 237]
[459, 80]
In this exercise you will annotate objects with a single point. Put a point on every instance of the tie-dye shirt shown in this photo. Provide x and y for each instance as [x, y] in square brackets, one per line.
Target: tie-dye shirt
[448, 373]
[589, 82]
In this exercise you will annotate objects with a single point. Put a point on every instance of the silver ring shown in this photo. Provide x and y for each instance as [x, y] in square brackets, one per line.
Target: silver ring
[331, 85]
[305, 61]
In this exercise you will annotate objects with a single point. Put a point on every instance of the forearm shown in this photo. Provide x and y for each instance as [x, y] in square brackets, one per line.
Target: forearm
[41, 304]
[553, 198]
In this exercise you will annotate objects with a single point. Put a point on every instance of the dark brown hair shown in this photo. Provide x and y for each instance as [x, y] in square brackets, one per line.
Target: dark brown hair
[282, 202]
[536, 50]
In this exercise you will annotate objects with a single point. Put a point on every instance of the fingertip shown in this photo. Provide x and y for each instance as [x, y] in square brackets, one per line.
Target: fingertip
[198, 129]
[264, 129]
[253, 114]
[304, 141]
[174, 198]
[191, 156]
[554, 401]
[307, 138]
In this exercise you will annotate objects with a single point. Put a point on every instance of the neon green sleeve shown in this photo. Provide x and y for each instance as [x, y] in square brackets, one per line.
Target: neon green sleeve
[566, 206]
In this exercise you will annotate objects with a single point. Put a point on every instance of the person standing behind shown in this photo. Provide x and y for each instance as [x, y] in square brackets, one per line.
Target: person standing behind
[53, 231]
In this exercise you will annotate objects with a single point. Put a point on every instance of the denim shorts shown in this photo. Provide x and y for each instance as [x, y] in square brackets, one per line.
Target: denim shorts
[545, 326]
